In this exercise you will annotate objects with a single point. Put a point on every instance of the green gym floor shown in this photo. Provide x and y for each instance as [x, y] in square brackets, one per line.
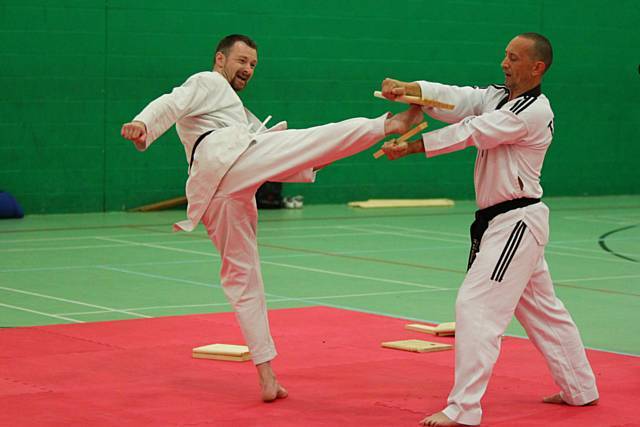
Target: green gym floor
[404, 262]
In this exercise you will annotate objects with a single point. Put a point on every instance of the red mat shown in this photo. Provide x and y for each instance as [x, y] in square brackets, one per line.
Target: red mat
[140, 373]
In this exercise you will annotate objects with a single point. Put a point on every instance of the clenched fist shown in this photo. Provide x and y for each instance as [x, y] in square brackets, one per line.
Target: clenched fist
[135, 132]
[395, 150]
[393, 89]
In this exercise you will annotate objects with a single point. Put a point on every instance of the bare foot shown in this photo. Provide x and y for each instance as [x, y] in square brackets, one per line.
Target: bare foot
[402, 122]
[271, 389]
[557, 400]
[439, 419]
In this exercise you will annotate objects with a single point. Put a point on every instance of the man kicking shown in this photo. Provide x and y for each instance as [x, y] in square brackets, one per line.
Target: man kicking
[231, 153]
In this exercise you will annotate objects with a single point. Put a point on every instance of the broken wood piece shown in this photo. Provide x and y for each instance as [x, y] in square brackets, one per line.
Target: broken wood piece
[416, 100]
[417, 346]
[442, 330]
[421, 126]
[231, 352]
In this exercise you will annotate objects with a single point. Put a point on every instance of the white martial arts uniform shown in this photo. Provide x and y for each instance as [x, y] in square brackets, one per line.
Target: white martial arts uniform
[509, 275]
[229, 165]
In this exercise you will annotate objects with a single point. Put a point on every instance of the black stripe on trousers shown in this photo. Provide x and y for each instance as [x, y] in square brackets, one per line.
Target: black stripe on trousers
[509, 251]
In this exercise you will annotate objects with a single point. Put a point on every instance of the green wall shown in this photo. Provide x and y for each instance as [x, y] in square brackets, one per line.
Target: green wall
[73, 71]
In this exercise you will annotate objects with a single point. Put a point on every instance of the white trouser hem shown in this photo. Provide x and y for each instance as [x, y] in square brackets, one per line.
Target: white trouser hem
[265, 356]
[581, 398]
[455, 414]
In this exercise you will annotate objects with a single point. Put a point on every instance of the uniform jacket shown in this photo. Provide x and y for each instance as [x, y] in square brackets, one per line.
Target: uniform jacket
[512, 138]
[206, 101]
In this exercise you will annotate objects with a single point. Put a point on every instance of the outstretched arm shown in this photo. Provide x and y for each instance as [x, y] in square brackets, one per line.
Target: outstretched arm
[466, 100]
[165, 111]
[485, 132]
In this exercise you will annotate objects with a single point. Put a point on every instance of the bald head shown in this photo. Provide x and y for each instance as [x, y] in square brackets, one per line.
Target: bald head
[540, 49]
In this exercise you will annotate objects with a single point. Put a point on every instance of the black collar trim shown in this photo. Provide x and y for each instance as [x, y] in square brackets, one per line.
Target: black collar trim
[535, 92]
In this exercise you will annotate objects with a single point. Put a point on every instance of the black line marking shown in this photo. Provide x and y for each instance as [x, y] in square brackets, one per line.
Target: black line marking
[603, 245]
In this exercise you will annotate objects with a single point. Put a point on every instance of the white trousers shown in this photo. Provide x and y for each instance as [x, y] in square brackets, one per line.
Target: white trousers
[510, 276]
[231, 218]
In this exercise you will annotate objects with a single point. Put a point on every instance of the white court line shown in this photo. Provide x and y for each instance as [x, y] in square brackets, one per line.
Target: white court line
[593, 240]
[421, 230]
[592, 219]
[80, 313]
[55, 316]
[363, 232]
[92, 266]
[278, 229]
[465, 237]
[316, 270]
[427, 288]
[395, 233]
[605, 257]
[634, 218]
[159, 233]
[59, 248]
[155, 246]
[173, 242]
[355, 276]
[297, 267]
[305, 236]
[65, 239]
[366, 251]
[161, 277]
[591, 251]
[312, 300]
[269, 294]
[215, 255]
[595, 279]
[283, 299]
[72, 301]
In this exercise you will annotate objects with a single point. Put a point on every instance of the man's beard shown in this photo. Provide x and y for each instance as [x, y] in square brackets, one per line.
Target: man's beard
[237, 83]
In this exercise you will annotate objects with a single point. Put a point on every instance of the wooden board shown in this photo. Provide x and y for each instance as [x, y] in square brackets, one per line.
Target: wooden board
[418, 101]
[442, 330]
[402, 203]
[421, 126]
[417, 346]
[235, 353]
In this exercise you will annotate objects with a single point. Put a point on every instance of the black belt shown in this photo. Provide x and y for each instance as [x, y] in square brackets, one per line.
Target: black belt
[198, 141]
[483, 216]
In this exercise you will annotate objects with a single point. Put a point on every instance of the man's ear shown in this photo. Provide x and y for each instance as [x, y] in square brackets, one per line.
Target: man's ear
[219, 60]
[539, 67]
